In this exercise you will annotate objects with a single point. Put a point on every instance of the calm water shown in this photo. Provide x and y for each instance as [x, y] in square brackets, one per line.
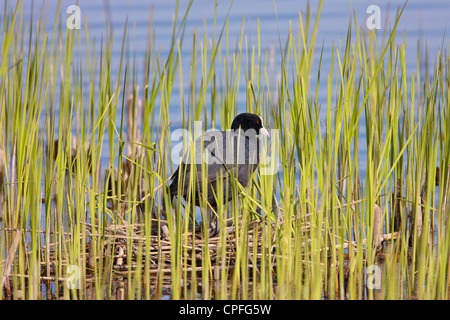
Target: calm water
[423, 20]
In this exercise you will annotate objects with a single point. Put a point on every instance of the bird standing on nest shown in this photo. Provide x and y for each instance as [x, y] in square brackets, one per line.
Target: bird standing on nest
[227, 155]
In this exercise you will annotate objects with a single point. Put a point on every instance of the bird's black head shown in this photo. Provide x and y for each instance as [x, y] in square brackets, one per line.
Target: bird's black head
[247, 121]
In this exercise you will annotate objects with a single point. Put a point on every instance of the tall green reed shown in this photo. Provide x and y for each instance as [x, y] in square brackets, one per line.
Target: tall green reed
[305, 232]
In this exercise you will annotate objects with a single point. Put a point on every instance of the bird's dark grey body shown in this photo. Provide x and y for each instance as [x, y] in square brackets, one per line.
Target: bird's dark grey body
[226, 155]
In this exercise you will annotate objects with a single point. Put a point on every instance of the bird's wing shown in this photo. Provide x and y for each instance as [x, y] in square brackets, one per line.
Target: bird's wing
[222, 154]
[212, 154]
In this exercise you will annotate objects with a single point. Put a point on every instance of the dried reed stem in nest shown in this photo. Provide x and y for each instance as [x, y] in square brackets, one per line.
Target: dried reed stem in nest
[10, 257]
[377, 226]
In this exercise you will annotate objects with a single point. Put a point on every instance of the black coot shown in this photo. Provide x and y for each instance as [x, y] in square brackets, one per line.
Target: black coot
[226, 155]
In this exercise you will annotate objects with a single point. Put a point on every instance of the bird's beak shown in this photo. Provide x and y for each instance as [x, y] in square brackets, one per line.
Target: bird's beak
[264, 132]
